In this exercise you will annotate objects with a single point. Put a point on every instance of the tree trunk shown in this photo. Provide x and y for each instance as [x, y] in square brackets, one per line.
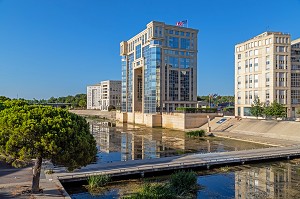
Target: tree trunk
[36, 175]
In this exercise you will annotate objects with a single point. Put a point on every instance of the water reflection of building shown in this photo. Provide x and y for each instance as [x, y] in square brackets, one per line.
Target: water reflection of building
[270, 182]
[108, 140]
[146, 143]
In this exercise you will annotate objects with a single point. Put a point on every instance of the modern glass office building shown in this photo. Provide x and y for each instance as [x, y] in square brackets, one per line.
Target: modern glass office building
[159, 69]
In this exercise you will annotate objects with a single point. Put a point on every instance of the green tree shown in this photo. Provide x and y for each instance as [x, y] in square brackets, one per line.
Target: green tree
[3, 98]
[278, 110]
[38, 132]
[275, 110]
[257, 108]
[82, 103]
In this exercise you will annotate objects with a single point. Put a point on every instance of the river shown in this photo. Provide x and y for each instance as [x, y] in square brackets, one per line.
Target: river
[124, 142]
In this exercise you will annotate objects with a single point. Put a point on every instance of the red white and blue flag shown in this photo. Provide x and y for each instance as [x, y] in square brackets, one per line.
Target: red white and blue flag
[181, 23]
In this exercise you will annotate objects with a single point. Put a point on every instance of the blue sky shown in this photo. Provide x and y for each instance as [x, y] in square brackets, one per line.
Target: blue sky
[58, 47]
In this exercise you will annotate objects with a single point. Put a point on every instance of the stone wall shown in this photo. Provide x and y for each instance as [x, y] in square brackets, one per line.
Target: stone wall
[195, 120]
[180, 121]
[184, 121]
[139, 118]
[121, 117]
[103, 114]
[152, 120]
[173, 120]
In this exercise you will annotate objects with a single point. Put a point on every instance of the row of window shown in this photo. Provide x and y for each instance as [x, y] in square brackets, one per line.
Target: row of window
[295, 80]
[281, 63]
[295, 95]
[173, 42]
[181, 33]
[256, 51]
[175, 62]
[181, 53]
[278, 40]
[280, 95]
[280, 79]
[254, 44]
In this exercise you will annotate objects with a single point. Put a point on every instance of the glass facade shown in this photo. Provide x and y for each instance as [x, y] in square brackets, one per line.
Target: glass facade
[124, 83]
[184, 86]
[172, 42]
[159, 70]
[184, 43]
[173, 85]
[138, 51]
[152, 65]
[130, 83]
[185, 63]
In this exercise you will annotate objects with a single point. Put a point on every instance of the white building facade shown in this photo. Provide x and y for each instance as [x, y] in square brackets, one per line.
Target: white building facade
[267, 67]
[100, 96]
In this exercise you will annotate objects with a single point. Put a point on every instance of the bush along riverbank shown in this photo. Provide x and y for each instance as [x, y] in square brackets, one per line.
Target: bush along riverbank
[182, 184]
[198, 133]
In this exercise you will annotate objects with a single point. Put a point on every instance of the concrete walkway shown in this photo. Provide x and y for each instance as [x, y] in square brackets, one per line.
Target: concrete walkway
[15, 183]
[179, 162]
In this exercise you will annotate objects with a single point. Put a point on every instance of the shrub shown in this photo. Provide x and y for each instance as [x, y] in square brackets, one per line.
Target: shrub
[153, 191]
[183, 182]
[181, 185]
[98, 181]
[111, 108]
[198, 133]
[196, 110]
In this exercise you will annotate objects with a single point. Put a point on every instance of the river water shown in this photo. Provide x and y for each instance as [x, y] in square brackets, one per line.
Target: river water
[123, 142]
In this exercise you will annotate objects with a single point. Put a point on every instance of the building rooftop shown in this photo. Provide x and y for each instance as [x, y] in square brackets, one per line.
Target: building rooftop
[180, 28]
[264, 34]
[295, 41]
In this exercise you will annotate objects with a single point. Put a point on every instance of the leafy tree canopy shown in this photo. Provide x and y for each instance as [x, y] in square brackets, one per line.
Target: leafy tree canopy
[3, 98]
[275, 110]
[257, 108]
[33, 131]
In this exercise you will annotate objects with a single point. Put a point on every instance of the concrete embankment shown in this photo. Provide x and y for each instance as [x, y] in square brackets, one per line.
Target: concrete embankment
[286, 131]
[289, 130]
[101, 114]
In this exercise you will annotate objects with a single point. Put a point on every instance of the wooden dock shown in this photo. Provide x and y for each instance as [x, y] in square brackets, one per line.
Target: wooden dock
[190, 161]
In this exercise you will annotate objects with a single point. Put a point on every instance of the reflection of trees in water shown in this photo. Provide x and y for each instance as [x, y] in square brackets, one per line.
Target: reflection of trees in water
[279, 180]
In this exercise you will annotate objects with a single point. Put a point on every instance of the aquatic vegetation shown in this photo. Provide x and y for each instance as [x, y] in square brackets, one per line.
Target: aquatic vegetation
[224, 169]
[153, 191]
[182, 184]
[197, 133]
[98, 181]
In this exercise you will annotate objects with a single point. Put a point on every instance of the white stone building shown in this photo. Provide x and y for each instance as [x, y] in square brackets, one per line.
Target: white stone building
[100, 96]
[267, 67]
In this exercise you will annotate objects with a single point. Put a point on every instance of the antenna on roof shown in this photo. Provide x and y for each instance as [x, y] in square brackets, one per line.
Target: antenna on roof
[268, 28]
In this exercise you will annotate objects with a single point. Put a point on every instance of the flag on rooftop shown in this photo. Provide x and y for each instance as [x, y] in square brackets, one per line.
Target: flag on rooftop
[181, 23]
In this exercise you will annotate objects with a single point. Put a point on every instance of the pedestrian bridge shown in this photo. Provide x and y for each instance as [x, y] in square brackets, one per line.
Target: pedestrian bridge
[190, 161]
